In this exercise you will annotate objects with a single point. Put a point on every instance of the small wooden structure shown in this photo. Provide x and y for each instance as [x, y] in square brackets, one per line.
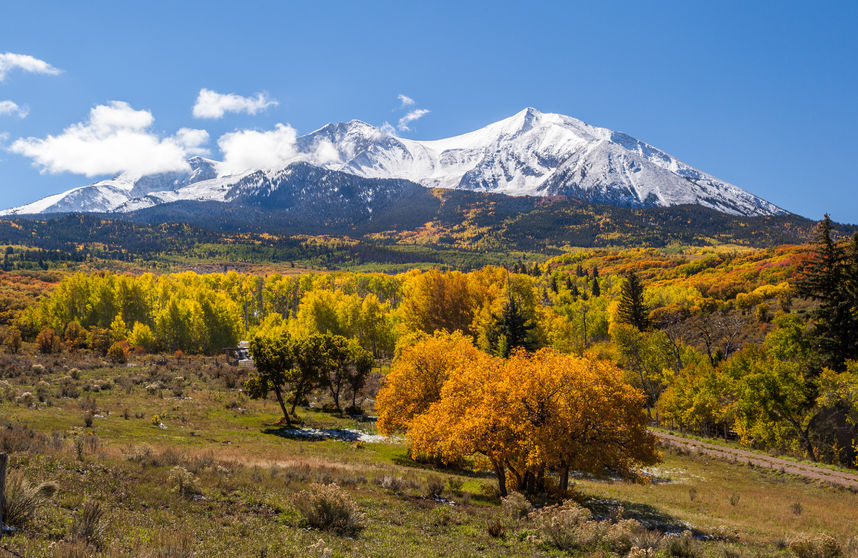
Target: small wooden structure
[239, 356]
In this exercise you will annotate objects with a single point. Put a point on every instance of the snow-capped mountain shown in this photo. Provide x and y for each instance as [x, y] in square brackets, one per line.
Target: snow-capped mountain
[530, 153]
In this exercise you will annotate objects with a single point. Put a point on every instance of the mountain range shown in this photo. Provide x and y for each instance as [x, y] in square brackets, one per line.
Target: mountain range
[354, 172]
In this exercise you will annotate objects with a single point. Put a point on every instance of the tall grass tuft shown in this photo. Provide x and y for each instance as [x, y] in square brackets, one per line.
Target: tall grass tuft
[328, 507]
[89, 526]
[22, 499]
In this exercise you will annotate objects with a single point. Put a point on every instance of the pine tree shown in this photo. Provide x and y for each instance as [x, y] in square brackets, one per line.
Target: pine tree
[510, 329]
[597, 290]
[552, 283]
[633, 310]
[825, 279]
[851, 279]
[573, 290]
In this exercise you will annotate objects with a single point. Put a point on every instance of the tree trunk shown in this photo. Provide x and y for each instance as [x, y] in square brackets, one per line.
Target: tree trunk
[335, 395]
[529, 482]
[564, 478]
[279, 396]
[500, 473]
[299, 391]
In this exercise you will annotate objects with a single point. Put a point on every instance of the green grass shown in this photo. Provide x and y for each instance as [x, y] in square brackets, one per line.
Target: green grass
[247, 478]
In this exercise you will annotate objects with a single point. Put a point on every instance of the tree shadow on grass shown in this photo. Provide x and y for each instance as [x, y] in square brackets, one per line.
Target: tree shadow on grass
[649, 516]
[320, 434]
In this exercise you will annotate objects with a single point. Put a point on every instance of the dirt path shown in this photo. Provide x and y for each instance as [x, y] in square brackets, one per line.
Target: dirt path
[813, 472]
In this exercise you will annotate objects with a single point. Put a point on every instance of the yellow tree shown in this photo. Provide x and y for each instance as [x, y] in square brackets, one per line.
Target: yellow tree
[437, 300]
[416, 379]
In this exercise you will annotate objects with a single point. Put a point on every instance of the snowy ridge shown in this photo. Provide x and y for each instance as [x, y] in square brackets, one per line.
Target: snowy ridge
[530, 153]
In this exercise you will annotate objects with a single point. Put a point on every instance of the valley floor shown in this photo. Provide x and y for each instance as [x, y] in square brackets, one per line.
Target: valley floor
[183, 464]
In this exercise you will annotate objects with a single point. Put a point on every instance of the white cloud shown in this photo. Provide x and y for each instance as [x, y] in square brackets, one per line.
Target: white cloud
[325, 152]
[387, 129]
[193, 140]
[12, 108]
[251, 149]
[211, 104]
[415, 114]
[115, 139]
[24, 62]
[405, 100]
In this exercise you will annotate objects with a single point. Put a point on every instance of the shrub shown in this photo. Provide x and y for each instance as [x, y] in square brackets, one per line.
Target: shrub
[89, 526]
[496, 529]
[434, 486]
[12, 340]
[21, 499]
[100, 340]
[328, 507]
[87, 419]
[566, 526]
[681, 546]
[570, 527]
[455, 485]
[183, 481]
[394, 484]
[646, 540]
[118, 353]
[43, 389]
[75, 335]
[820, 546]
[48, 341]
[6, 390]
[20, 439]
[516, 506]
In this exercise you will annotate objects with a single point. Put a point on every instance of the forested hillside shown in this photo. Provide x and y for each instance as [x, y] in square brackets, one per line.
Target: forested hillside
[459, 230]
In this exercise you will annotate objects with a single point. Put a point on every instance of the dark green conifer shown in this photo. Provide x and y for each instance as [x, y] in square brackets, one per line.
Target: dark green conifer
[510, 329]
[825, 279]
[633, 310]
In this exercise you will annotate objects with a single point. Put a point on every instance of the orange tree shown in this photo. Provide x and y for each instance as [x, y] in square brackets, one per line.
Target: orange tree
[533, 414]
[417, 376]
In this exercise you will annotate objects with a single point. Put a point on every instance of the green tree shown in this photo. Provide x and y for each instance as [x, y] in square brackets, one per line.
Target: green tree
[510, 329]
[824, 279]
[633, 310]
[274, 356]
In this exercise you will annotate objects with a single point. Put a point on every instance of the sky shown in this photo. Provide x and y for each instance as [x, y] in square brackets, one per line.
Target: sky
[762, 95]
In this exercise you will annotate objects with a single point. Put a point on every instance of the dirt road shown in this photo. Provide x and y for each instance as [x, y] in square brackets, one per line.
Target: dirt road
[808, 471]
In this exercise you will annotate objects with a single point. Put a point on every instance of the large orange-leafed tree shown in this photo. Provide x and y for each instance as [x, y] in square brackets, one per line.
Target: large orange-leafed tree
[535, 414]
[416, 379]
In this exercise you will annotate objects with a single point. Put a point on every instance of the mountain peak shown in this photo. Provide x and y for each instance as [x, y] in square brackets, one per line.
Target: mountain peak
[529, 153]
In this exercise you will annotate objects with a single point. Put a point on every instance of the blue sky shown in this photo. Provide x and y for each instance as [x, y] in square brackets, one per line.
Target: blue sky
[759, 94]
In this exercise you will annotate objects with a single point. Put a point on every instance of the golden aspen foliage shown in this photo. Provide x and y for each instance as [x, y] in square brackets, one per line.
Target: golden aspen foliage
[536, 412]
[416, 379]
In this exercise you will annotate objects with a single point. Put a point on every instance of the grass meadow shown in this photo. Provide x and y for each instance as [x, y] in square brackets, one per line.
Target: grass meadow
[166, 457]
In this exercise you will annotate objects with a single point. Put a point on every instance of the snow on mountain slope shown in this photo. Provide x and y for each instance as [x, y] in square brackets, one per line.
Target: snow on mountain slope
[109, 195]
[529, 153]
